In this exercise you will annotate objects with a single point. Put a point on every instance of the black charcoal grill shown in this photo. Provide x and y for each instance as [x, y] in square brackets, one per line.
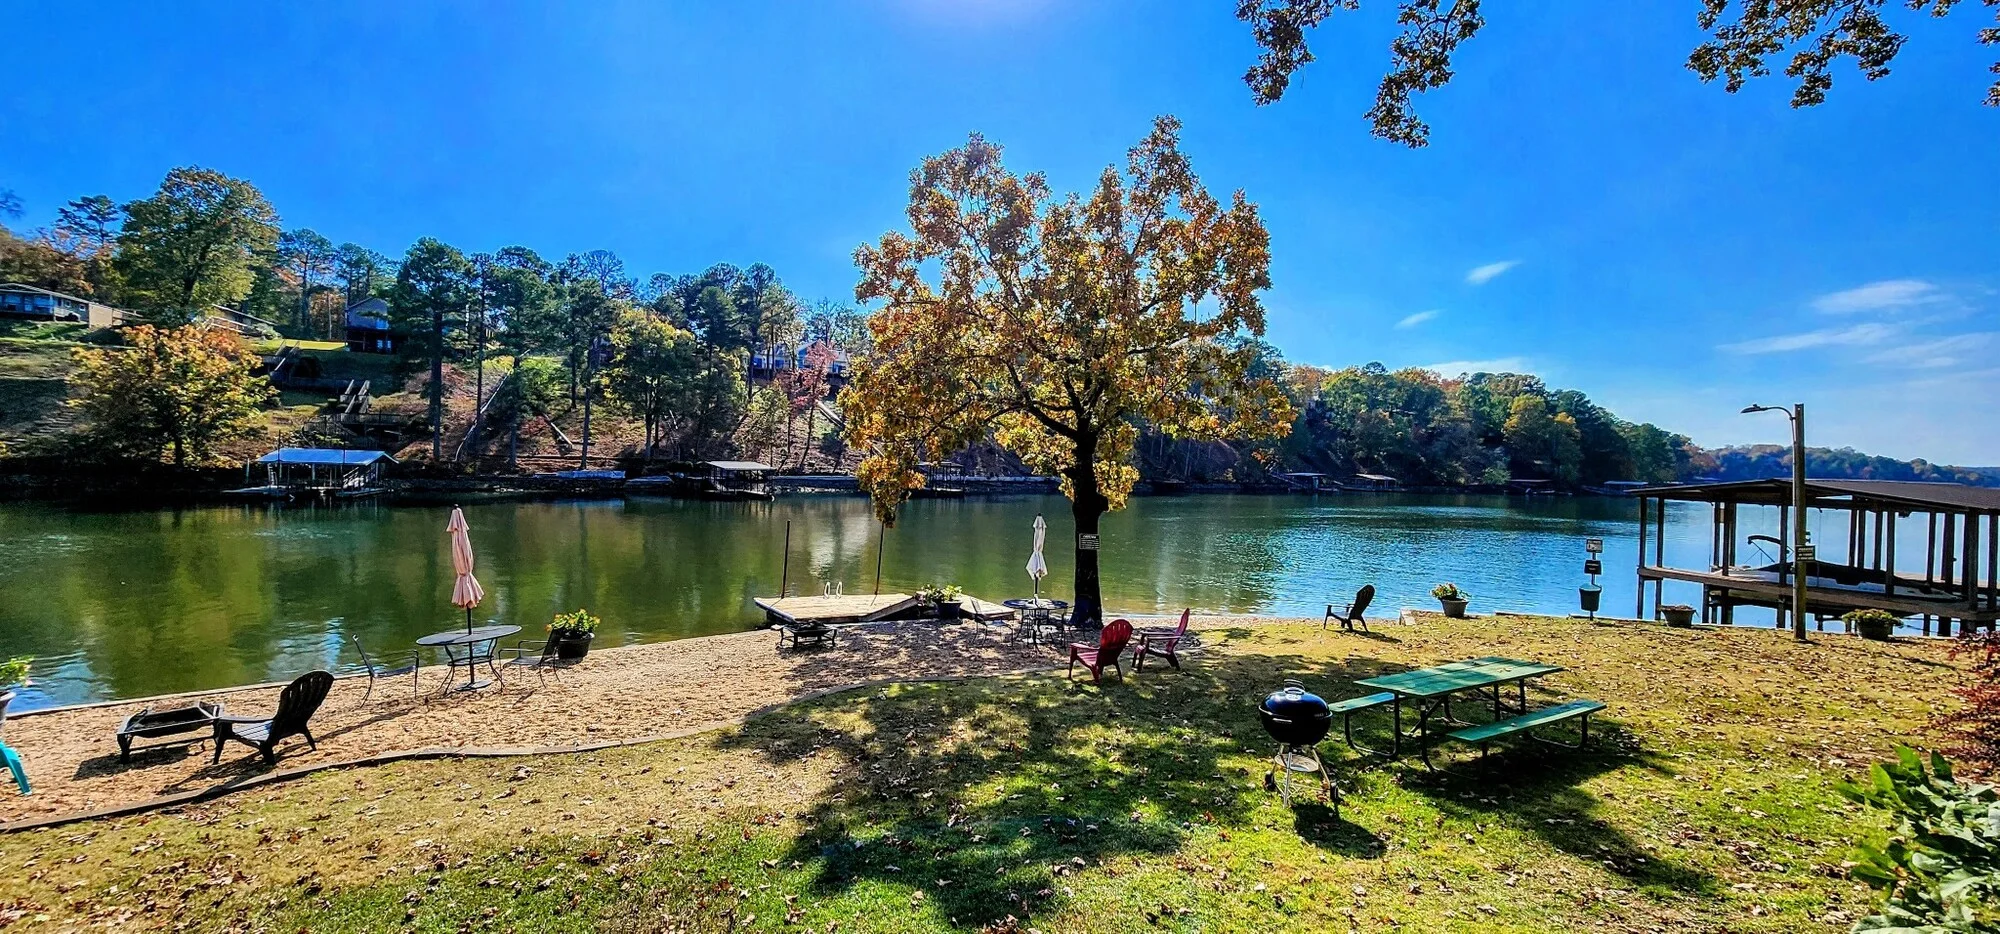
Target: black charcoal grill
[1298, 719]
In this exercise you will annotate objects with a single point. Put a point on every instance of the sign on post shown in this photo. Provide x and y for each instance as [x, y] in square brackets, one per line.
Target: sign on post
[1808, 553]
[1086, 541]
[1595, 546]
[1593, 567]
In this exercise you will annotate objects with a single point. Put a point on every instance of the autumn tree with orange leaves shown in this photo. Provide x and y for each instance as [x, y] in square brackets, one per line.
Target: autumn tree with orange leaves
[1056, 325]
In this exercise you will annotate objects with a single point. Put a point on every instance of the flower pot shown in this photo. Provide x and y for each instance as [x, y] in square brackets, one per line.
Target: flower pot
[571, 645]
[1454, 609]
[1877, 629]
[1681, 617]
[1589, 597]
[949, 609]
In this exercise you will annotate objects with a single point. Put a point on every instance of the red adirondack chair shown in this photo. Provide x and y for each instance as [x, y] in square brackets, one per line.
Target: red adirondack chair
[1105, 653]
[1166, 643]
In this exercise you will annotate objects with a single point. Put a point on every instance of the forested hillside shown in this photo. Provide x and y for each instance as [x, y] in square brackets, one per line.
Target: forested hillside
[579, 353]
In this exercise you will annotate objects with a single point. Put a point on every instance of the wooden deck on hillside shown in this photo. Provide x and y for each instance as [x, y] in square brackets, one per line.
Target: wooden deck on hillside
[862, 608]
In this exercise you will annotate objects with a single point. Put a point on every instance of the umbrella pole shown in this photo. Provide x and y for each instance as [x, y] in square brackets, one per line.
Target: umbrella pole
[785, 569]
[468, 621]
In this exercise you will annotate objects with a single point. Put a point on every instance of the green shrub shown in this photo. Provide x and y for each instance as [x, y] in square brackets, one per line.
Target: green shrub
[1940, 868]
[1872, 623]
[14, 671]
[1449, 591]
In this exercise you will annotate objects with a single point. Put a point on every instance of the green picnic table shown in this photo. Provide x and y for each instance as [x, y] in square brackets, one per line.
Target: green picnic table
[1431, 690]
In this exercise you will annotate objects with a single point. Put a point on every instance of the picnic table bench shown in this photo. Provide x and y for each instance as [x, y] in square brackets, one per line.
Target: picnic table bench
[1485, 733]
[1431, 690]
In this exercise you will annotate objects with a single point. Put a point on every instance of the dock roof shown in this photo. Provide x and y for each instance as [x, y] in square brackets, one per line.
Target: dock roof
[1952, 497]
[739, 465]
[325, 457]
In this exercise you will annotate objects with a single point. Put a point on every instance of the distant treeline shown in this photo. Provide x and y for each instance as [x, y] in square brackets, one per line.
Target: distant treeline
[1762, 461]
[1485, 429]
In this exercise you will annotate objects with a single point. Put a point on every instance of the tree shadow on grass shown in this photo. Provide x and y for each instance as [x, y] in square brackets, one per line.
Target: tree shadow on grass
[985, 794]
[1539, 788]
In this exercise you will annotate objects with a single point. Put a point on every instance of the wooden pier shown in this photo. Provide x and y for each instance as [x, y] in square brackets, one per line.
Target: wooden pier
[863, 608]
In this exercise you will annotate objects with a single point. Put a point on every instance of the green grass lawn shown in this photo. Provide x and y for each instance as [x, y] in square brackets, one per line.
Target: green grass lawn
[1706, 806]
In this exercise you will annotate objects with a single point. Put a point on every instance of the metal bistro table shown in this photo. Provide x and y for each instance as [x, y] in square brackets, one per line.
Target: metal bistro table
[469, 639]
[1432, 688]
[1035, 615]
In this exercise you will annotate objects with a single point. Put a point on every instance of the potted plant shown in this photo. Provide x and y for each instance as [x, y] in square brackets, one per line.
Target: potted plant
[1870, 623]
[572, 633]
[1678, 614]
[13, 672]
[1452, 599]
[944, 598]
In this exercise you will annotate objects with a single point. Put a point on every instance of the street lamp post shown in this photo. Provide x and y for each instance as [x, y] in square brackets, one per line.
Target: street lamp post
[1800, 551]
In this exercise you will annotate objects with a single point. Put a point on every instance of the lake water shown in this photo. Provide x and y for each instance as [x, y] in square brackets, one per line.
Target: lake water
[125, 604]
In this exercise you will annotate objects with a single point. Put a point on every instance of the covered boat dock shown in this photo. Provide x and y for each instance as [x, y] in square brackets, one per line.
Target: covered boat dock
[1868, 557]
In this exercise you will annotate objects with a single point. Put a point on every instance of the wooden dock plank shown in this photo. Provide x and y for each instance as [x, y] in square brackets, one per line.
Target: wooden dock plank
[859, 608]
[863, 608]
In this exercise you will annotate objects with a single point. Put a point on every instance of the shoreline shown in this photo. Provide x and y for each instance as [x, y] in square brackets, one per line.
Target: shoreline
[160, 487]
[1404, 616]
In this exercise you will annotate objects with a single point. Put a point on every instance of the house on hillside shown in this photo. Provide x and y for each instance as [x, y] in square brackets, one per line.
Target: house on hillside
[239, 322]
[772, 362]
[37, 304]
[368, 327]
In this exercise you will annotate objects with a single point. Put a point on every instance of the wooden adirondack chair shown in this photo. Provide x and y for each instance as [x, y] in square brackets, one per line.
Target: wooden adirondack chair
[1162, 642]
[296, 705]
[1354, 612]
[1110, 643]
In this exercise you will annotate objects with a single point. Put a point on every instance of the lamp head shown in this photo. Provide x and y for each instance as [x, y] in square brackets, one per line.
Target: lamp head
[1759, 408]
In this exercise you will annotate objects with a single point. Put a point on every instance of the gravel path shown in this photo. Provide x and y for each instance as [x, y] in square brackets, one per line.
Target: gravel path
[625, 693]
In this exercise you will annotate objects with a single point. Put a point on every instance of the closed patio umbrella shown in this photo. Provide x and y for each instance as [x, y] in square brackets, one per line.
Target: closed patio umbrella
[1038, 567]
[465, 591]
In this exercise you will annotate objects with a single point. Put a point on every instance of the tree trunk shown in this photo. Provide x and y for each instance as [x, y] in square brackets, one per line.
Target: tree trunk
[583, 462]
[437, 387]
[812, 415]
[1086, 506]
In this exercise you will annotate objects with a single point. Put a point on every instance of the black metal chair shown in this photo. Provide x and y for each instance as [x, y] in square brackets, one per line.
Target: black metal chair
[542, 657]
[296, 705]
[469, 656]
[816, 635]
[1354, 613]
[377, 670]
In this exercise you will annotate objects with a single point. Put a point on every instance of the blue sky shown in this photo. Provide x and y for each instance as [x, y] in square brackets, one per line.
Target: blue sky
[1587, 210]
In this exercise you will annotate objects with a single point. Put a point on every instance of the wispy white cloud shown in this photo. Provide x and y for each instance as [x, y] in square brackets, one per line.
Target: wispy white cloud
[1855, 336]
[1455, 368]
[1951, 350]
[1416, 319]
[1480, 275]
[1886, 295]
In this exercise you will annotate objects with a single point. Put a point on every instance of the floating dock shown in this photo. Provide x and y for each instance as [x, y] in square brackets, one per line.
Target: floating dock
[863, 608]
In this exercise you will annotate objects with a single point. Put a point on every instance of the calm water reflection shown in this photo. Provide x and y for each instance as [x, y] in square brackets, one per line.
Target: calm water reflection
[131, 603]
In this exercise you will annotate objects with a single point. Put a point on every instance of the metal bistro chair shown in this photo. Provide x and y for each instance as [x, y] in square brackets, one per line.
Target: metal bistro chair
[539, 654]
[469, 656]
[1048, 626]
[377, 670]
